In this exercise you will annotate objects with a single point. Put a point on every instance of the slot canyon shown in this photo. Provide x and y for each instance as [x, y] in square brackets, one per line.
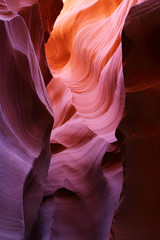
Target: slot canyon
[79, 119]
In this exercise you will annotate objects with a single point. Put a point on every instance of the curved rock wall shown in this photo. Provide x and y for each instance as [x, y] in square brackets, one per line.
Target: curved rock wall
[87, 94]
[25, 119]
[66, 181]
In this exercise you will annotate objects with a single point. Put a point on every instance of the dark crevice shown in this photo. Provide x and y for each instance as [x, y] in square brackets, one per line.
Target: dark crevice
[120, 158]
[64, 193]
[57, 147]
[33, 190]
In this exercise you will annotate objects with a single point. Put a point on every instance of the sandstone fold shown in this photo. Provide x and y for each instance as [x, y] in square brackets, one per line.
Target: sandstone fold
[25, 119]
[94, 173]
[88, 96]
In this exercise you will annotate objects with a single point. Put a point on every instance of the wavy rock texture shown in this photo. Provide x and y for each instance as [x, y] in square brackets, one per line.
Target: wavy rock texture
[75, 196]
[87, 94]
[138, 216]
[10, 8]
[25, 118]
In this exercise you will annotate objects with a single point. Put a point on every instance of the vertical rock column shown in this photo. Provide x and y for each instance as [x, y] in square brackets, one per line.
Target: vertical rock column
[138, 215]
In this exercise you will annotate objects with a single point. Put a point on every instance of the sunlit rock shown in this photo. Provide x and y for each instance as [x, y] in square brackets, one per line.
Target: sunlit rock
[93, 175]
[88, 96]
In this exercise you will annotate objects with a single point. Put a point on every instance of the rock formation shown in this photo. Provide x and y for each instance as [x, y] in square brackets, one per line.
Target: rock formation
[87, 95]
[138, 216]
[93, 173]
[25, 118]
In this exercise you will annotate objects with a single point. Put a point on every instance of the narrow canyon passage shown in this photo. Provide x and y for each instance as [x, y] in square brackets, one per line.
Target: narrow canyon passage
[79, 119]
[87, 93]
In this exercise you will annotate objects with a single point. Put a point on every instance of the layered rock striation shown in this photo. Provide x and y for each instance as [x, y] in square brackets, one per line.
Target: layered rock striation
[26, 118]
[88, 97]
[94, 173]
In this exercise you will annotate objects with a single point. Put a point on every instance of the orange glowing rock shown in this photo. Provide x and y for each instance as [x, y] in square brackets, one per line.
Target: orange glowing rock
[88, 96]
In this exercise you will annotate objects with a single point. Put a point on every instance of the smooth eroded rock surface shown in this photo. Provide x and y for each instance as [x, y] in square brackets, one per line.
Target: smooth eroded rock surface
[25, 122]
[87, 94]
[138, 215]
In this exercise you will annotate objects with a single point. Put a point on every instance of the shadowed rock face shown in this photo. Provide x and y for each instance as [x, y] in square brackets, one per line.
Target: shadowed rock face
[25, 121]
[50, 10]
[140, 40]
[31, 16]
[138, 216]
